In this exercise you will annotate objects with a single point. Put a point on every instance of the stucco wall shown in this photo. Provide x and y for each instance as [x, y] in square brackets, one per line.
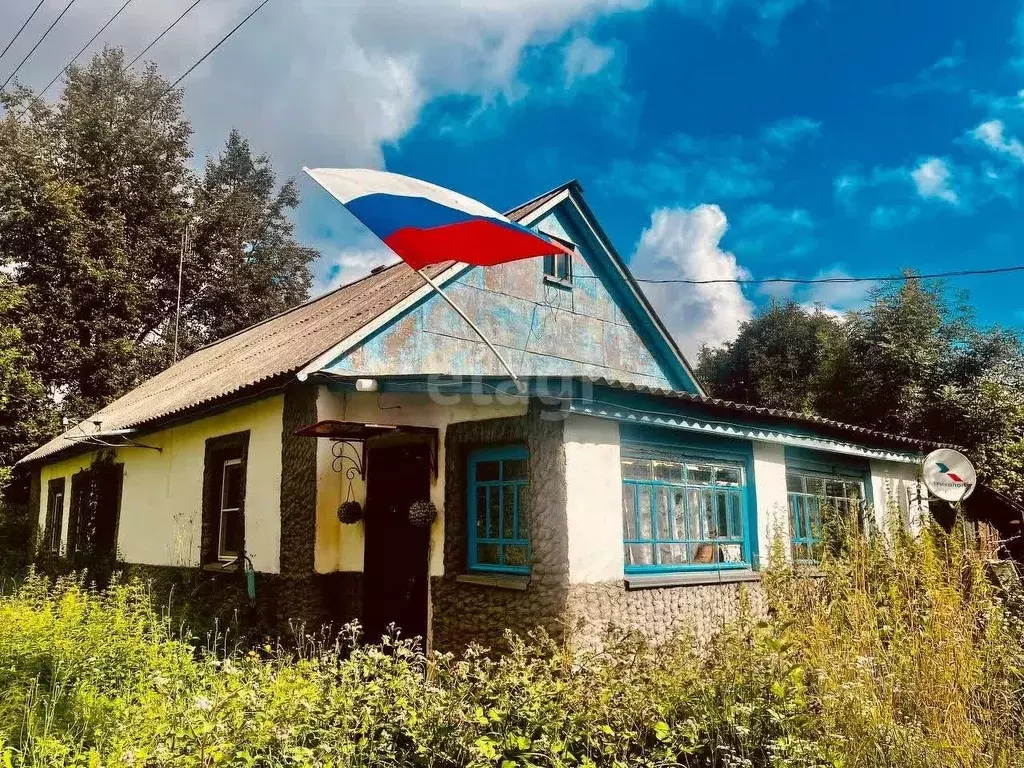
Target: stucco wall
[542, 329]
[593, 499]
[897, 486]
[161, 503]
[340, 547]
[772, 500]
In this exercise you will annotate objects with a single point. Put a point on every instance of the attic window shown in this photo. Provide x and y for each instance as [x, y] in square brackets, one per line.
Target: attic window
[558, 267]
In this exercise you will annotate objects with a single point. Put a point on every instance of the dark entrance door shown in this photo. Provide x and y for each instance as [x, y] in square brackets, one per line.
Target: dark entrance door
[395, 556]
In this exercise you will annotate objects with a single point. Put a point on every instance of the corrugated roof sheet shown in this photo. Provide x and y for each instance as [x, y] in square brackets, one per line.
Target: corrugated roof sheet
[773, 413]
[262, 353]
[257, 355]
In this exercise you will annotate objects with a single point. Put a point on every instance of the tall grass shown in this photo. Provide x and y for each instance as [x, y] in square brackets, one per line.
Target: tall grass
[906, 655]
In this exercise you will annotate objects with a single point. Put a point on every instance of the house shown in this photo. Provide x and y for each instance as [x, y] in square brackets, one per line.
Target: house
[612, 490]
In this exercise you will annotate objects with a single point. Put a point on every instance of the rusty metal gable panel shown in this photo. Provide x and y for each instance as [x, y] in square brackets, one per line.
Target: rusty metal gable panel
[541, 327]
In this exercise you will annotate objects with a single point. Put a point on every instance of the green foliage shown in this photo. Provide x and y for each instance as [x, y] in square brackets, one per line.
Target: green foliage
[95, 192]
[905, 655]
[911, 363]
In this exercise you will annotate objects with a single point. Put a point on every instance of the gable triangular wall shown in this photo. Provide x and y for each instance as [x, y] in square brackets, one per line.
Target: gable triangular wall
[596, 326]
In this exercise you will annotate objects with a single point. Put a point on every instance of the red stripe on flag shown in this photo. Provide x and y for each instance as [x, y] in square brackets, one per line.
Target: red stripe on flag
[482, 242]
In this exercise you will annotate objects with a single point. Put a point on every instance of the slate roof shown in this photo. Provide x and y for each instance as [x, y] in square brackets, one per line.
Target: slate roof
[264, 356]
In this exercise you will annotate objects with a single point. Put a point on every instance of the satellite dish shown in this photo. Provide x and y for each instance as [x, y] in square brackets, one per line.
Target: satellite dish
[949, 475]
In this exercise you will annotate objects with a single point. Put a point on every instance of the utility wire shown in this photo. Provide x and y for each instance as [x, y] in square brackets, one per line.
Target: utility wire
[210, 52]
[21, 28]
[92, 40]
[39, 42]
[817, 280]
[160, 37]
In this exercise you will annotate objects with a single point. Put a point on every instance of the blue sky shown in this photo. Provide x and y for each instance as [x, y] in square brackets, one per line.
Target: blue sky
[713, 138]
[835, 138]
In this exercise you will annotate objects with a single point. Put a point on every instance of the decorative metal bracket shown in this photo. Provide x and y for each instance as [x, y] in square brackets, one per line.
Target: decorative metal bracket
[354, 458]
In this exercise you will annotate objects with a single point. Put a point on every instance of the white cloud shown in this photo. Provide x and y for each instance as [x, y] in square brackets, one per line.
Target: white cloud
[350, 264]
[993, 135]
[584, 58]
[686, 243]
[932, 177]
[835, 298]
[792, 130]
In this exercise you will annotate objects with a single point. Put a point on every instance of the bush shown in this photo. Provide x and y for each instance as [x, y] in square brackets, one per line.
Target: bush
[904, 655]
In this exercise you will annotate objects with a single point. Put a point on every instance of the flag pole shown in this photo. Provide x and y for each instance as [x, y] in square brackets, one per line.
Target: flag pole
[437, 289]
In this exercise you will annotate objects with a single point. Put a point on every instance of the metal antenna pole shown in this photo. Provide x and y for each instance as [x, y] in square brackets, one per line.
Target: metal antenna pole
[181, 269]
[437, 288]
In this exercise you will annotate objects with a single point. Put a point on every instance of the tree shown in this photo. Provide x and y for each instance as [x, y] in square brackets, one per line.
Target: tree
[773, 360]
[911, 363]
[95, 193]
[244, 262]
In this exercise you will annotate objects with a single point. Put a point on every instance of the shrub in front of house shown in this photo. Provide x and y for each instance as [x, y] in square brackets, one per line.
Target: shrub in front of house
[910, 655]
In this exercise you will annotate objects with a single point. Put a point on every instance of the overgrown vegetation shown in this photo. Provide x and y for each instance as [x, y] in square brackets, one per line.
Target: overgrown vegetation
[907, 655]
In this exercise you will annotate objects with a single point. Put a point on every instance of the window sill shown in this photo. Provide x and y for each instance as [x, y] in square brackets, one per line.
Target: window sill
[516, 581]
[230, 566]
[558, 282]
[690, 579]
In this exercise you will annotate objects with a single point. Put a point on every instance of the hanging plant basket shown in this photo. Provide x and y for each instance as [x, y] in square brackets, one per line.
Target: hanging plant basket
[422, 514]
[350, 512]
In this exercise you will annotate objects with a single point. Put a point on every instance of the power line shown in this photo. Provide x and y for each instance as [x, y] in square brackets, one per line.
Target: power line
[818, 280]
[21, 28]
[160, 37]
[210, 52]
[39, 42]
[92, 40]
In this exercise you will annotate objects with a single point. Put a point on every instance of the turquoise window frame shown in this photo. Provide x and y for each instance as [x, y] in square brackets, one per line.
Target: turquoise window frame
[803, 506]
[501, 485]
[642, 442]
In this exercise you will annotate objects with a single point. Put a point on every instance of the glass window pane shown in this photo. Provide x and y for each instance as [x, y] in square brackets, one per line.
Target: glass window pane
[697, 474]
[796, 514]
[232, 532]
[728, 476]
[665, 530]
[517, 554]
[493, 509]
[514, 469]
[735, 516]
[636, 469]
[721, 515]
[481, 512]
[730, 553]
[628, 511]
[508, 511]
[233, 486]
[672, 554]
[486, 471]
[487, 554]
[639, 554]
[702, 554]
[646, 523]
[523, 492]
[668, 471]
[836, 488]
[794, 483]
[815, 486]
[694, 530]
[679, 514]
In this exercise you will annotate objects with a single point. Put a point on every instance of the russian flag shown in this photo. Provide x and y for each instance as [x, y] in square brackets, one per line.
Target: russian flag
[427, 224]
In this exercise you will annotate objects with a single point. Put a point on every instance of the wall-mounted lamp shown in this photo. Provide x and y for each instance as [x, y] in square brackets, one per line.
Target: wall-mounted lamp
[366, 385]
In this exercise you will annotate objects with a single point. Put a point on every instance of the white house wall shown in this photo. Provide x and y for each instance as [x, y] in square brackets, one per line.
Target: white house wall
[340, 547]
[160, 519]
[594, 497]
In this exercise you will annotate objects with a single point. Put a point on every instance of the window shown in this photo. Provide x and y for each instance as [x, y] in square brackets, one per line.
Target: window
[224, 481]
[54, 514]
[679, 514]
[812, 495]
[558, 267]
[499, 510]
[231, 538]
[95, 510]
